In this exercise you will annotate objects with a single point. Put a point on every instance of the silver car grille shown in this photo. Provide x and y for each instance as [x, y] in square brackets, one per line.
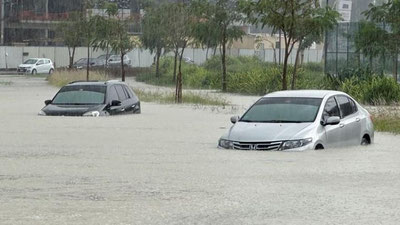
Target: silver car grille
[262, 146]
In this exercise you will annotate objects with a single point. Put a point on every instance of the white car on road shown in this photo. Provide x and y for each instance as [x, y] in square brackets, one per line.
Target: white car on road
[300, 120]
[36, 65]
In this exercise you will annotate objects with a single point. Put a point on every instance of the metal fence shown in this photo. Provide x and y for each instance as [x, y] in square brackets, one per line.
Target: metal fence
[11, 57]
[342, 54]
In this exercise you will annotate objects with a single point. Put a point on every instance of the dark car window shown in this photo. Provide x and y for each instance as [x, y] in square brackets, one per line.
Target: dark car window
[345, 106]
[121, 93]
[127, 92]
[80, 95]
[113, 94]
[331, 109]
[353, 105]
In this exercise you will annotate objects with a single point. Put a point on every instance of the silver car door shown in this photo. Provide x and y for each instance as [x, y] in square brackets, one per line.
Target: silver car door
[350, 123]
[332, 132]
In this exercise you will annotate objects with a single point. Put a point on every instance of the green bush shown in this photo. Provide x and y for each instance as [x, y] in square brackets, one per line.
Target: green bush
[256, 81]
[249, 75]
[376, 90]
[381, 90]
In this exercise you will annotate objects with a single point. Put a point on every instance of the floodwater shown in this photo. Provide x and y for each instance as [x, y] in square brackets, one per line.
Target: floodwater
[163, 167]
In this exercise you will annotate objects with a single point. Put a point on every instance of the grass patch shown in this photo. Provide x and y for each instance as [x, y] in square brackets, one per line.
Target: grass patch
[61, 78]
[5, 83]
[37, 75]
[189, 97]
[387, 124]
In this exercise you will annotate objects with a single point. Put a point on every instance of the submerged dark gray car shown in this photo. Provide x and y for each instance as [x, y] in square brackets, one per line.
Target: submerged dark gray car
[83, 98]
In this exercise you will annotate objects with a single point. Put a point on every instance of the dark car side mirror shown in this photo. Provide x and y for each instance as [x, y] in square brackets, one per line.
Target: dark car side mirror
[115, 103]
[48, 102]
[234, 119]
[333, 120]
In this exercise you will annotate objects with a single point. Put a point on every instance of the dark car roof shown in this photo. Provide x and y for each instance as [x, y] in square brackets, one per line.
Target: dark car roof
[96, 83]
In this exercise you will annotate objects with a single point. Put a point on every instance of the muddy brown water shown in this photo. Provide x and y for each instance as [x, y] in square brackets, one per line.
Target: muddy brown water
[163, 167]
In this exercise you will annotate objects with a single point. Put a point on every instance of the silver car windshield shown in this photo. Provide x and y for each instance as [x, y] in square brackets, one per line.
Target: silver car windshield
[283, 110]
[80, 95]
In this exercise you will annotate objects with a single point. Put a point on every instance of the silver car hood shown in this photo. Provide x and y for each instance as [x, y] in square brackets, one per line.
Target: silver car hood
[261, 132]
[26, 65]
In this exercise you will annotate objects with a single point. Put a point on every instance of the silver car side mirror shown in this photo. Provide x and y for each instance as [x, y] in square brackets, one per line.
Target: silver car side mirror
[234, 119]
[333, 120]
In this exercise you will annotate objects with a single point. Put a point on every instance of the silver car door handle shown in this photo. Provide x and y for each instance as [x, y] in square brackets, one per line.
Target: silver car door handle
[357, 119]
[341, 125]
[123, 109]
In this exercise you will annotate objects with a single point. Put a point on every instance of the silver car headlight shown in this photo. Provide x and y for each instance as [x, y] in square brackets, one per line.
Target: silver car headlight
[295, 143]
[92, 114]
[223, 143]
[41, 113]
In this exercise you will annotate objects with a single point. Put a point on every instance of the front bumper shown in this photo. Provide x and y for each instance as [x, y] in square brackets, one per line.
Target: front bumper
[24, 70]
[261, 146]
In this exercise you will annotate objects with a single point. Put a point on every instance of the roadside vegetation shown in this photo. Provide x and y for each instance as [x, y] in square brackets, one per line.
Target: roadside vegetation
[5, 83]
[63, 77]
[249, 75]
[190, 97]
[387, 123]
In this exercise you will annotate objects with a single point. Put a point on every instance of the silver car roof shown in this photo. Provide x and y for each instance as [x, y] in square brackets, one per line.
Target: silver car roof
[304, 93]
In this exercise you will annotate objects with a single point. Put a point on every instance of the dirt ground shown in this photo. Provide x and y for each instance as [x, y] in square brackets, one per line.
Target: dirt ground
[163, 167]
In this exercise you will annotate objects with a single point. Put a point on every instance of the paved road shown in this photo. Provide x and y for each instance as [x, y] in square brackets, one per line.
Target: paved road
[162, 167]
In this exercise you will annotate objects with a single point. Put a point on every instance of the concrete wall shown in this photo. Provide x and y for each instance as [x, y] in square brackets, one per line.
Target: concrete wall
[11, 57]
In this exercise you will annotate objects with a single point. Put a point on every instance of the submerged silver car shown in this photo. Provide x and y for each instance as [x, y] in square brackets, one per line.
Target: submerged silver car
[300, 120]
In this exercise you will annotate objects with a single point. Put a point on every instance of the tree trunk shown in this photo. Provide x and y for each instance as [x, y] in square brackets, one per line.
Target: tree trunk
[223, 61]
[296, 63]
[285, 65]
[71, 57]
[87, 63]
[395, 67]
[175, 63]
[178, 90]
[158, 54]
[122, 66]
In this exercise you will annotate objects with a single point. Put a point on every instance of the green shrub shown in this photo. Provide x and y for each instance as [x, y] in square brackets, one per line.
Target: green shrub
[256, 81]
[62, 77]
[381, 90]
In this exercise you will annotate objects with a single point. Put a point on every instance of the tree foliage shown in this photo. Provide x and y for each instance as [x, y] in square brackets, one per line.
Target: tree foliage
[215, 26]
[297, 19]
[155, 32]
[70, 32]
[384, 39]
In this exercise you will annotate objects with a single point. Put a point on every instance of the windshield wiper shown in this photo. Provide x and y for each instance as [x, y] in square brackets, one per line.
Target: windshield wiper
[284, 121]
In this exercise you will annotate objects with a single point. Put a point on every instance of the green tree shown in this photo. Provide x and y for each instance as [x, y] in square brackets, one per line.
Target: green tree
[88, 32]
[70, 31]
[121, 41]
[389, 14]
[295, 18]
[154, 36]
[311, 28]
[369, 41]
[178, 23]
[215, 26]
[104, 28]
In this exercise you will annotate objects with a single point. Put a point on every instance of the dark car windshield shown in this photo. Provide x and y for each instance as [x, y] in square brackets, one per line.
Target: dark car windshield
[85, 60]
[283, 110]
[30, 61]
[80, 95]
